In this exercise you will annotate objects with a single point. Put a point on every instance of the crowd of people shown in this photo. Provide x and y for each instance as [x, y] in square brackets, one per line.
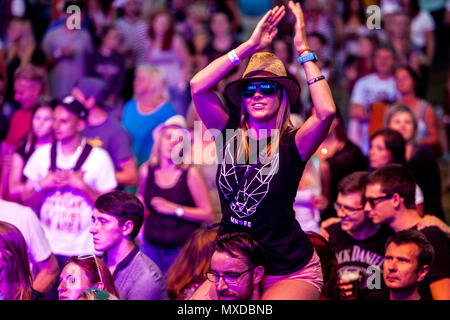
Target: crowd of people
[223, 150]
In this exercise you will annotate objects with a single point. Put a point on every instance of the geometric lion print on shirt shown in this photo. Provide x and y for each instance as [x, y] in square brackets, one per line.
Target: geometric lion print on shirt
[255, 188]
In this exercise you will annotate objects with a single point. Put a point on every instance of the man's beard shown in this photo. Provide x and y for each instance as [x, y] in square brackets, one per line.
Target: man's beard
[243, 295]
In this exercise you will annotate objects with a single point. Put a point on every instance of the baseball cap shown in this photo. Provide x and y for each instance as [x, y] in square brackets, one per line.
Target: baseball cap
[75, 107]
[93, 87]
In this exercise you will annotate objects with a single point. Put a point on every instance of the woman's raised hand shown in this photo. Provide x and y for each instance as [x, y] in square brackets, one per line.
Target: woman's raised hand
[266, 29]
[300, 41]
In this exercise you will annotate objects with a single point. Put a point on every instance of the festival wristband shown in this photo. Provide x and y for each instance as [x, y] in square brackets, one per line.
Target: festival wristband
[37, 187]
[234, 57]
[310, 82]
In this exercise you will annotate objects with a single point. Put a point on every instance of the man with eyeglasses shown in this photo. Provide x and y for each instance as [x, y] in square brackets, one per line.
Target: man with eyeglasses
[355, 240]
[237, 269]
[389, 199]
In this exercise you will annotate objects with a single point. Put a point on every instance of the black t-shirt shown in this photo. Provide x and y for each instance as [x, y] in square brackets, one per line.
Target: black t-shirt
[361, 254]
[25, 154]
[440, 268]
[110, 69]
[4, 125]
[168, 231]
[263, 205]
[425, 168]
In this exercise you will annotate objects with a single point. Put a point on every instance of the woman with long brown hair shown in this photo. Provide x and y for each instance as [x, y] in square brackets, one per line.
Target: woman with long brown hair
[40, 134]
[188, 270]
[408, 84]
[84, 272]
[15, 275]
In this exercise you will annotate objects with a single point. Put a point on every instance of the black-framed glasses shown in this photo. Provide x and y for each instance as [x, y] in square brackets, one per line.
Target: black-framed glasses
[374, 201]
[267, 88]
[229, 278]
[87, 256]
[345, 208]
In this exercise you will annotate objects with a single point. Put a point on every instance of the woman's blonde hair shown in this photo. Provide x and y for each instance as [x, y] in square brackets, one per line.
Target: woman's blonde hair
[158, 77]
[154, 159]
[283, 125]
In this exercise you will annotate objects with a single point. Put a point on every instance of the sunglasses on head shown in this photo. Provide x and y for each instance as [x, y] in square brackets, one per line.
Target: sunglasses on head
[88, 256]
[267, 88]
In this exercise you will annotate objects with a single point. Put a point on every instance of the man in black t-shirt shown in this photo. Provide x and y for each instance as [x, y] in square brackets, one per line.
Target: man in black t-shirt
[390, 198]
[357, 243]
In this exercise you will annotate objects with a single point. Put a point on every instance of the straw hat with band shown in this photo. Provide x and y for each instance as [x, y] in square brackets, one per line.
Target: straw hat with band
[263, 66]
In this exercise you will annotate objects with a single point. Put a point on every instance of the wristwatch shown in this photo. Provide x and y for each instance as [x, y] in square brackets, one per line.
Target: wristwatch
[179, 212]
[312, 56]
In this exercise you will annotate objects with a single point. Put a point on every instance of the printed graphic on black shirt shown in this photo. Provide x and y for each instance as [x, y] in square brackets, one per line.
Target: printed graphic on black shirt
[366, 255]
[360, 259]
[254, 189]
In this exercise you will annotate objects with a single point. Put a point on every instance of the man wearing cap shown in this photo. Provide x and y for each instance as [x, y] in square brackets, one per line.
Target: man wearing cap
[66, 178]
[103, 131]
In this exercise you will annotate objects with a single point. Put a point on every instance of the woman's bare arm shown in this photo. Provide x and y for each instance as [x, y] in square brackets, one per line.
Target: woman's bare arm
[207, 103]
[16, 186]
[316, 127]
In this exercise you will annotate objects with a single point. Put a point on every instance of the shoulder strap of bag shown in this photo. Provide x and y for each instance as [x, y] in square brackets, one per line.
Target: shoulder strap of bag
[53, 157]
[84, 154]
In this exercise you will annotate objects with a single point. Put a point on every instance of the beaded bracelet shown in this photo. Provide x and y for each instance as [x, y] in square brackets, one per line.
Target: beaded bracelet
[303, 51]
[310, 82]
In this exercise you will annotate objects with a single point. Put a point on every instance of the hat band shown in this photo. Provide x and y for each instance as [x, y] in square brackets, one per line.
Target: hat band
[260, 73]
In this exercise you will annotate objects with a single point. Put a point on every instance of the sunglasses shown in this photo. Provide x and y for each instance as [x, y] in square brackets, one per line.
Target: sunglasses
[229, 278]
[96, 263]
[268, 88]
[374, 201]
